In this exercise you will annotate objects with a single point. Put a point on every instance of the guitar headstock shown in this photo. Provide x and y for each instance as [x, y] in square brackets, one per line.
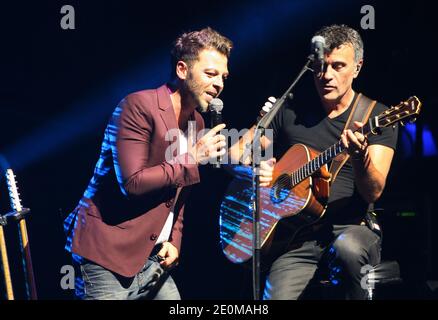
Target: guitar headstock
[14, 196]
[405, 111]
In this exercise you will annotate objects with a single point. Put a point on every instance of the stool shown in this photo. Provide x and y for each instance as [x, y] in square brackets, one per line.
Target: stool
[383, 274]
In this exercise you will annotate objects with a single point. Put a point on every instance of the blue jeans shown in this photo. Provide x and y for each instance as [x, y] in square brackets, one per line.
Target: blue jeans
[94, 282]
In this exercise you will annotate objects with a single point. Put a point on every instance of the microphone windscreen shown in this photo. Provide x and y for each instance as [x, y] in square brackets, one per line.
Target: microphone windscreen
[320, 39]
[318, 46]
[216, 105]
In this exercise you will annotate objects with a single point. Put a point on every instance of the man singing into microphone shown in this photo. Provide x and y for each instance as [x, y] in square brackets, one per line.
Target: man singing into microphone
[125, 234]
[341, 242]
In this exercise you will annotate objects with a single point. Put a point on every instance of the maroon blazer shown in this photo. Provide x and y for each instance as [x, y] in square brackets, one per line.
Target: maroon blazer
[132, 191]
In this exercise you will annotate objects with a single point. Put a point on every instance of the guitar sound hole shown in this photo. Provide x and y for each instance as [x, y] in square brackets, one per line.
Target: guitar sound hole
[281, 188]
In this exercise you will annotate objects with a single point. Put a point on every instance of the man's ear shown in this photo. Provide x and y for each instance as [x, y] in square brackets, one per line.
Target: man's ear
[182, 70]
[358, 68]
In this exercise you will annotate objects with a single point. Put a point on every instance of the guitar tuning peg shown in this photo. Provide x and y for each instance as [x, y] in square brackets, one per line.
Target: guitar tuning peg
[402, 123]
[412, 120]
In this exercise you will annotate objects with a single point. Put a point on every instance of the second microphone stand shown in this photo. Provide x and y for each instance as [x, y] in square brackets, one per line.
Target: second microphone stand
[259, 132]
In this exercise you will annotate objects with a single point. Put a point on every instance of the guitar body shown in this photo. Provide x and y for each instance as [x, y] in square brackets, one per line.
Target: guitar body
[283, 207]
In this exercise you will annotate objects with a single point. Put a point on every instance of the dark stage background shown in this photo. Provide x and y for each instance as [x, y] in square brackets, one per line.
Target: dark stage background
[58, 88]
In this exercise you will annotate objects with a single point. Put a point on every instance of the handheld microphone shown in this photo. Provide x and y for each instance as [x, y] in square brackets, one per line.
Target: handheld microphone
[216, 105]
[318, 45]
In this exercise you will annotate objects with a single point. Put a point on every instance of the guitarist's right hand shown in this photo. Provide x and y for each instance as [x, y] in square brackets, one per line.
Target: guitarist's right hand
[266, 170]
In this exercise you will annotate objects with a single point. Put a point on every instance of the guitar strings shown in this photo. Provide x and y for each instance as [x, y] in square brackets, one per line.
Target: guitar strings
[293, 179]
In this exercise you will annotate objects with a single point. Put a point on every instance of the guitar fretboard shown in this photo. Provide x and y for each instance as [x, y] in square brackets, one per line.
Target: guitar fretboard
[326, 156]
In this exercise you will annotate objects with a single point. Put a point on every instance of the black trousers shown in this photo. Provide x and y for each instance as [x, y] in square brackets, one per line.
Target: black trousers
[346, 251]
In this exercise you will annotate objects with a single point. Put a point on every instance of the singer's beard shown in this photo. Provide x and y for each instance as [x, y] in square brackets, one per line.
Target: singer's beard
[193, 91]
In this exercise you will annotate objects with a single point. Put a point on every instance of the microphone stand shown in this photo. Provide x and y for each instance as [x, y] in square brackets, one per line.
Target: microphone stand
[259, 132]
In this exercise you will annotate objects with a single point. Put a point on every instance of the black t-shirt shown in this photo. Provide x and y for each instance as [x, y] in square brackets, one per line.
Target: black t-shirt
[312, 127]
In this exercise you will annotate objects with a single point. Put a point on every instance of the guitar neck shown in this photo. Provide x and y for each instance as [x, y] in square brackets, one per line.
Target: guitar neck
[329, 154]
[13, 191]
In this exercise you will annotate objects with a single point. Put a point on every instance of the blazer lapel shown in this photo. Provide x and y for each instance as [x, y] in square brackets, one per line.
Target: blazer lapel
[166, 108]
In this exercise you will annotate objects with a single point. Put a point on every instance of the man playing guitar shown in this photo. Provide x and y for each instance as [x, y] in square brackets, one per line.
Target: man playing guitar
[341, 239]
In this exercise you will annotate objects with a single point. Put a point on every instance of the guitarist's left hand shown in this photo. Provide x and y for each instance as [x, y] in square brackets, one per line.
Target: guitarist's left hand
[266, 170]
[355, 142]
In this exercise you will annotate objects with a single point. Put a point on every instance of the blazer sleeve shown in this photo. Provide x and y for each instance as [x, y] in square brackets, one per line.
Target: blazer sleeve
[131, 129]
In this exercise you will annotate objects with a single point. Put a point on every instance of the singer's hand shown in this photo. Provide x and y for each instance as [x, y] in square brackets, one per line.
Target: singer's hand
[210, 146]
[266, 170]
[169, 255]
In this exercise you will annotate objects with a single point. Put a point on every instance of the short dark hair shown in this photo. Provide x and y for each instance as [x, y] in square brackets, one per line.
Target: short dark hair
[188, 46]
[337, 35]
